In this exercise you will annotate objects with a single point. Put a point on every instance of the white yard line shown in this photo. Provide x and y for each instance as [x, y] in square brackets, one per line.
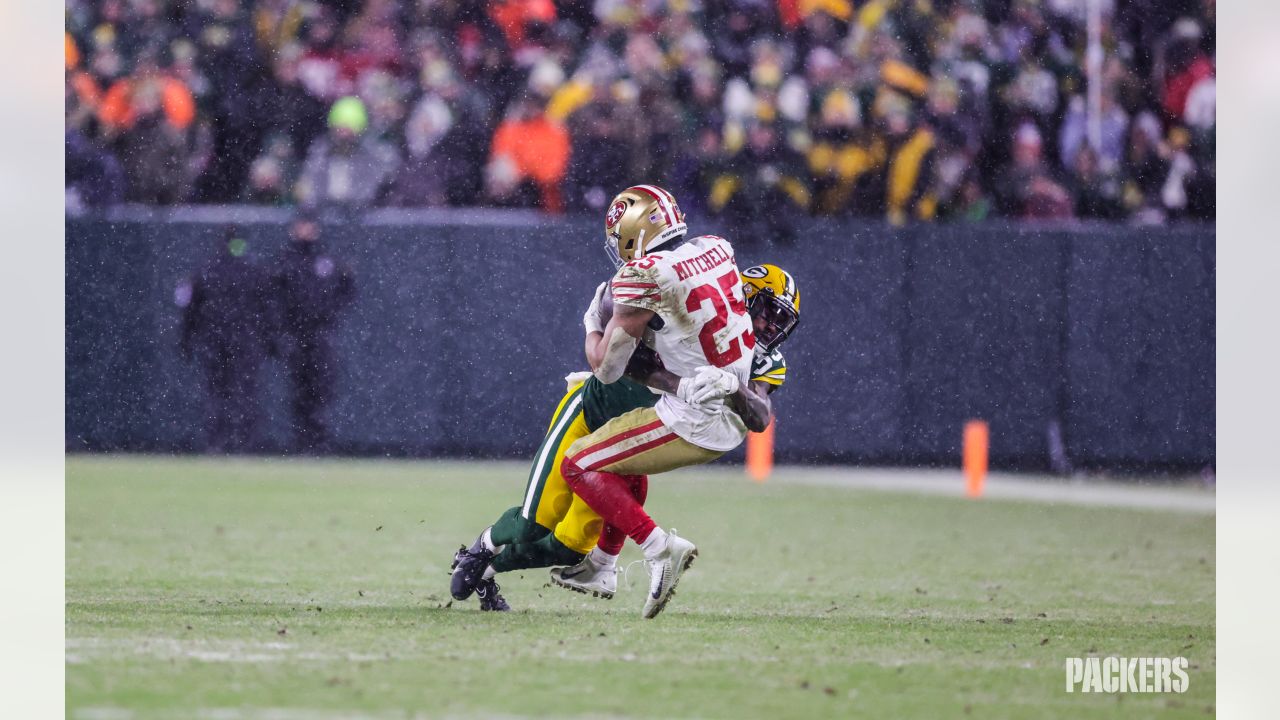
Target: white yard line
[1182, 497]
[84, 650]
[286, 713]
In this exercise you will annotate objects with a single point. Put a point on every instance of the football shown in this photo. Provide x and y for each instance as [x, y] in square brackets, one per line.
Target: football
[606, 308]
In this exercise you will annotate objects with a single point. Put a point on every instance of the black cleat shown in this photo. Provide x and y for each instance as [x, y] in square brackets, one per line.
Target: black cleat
[490, 600]
[468, 566]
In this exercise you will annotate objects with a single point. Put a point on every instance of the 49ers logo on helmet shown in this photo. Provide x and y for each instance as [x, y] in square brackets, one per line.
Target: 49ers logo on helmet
[615, 214]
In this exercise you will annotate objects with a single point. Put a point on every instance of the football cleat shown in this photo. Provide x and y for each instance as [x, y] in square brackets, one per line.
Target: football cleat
[586, 577]
[468, 567]
[490, 600]
[665, 571]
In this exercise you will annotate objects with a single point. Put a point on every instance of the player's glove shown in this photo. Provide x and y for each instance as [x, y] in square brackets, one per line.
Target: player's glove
[710, 383]
[593, 319]
[574, 379]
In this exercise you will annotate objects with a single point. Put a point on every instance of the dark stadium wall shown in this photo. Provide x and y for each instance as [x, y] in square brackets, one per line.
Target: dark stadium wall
[463, 328]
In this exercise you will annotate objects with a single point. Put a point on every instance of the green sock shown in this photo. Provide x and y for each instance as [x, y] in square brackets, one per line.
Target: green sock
[513, 528]
[544, 552]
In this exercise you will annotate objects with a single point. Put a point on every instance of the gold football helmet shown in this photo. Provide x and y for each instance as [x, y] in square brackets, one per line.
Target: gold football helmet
[773, 296]
[641, 219]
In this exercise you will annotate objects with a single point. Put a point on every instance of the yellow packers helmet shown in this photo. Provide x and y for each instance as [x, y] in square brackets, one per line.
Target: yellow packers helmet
[772, 296]
[641, 219]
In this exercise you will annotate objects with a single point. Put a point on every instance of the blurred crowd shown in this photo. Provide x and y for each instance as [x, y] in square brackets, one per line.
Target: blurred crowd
[757, 111]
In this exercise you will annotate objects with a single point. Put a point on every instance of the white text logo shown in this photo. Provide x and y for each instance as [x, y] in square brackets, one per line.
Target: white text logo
[1118, 675]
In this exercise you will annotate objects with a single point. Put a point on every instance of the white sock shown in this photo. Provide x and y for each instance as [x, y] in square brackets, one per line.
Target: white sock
[487, 540]
[488, 573]
[602, 559]
[654, 544]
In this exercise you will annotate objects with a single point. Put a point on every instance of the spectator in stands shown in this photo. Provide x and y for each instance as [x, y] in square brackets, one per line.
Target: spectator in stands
[1095, 187]
[151, 116]
[1113, 127]
[902, 189]
[271, 176]
[604, 146]
[529, 158]
[239, 98]
[441, 153]
[1027, 188]
[762, 191]
[346, 167]
[228, 329]
[971, 203]
[94, 176]
[1184, 65]
[291, 108]
[313, 289]
[149, 89]
[1145, 170]
[844, 154]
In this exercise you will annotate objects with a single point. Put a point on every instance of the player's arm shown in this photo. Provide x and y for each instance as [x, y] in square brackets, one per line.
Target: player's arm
[609, 351]
[752, 404]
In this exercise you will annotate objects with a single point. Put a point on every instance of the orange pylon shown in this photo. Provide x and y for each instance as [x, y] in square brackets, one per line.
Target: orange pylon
[976, 442]
[760, 454]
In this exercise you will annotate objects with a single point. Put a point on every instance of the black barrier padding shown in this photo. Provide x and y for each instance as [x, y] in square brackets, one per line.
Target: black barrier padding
[461, 333]
[1140, 357]
[982, 341]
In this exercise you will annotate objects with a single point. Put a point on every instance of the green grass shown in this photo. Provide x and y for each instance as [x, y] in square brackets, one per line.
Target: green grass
[289, 589]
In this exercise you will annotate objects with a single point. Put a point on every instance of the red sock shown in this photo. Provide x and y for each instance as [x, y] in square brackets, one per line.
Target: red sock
[609, 494]
[611, 538]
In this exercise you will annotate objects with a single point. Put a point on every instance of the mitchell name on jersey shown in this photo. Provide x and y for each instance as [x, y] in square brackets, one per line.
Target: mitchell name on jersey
[705, 262]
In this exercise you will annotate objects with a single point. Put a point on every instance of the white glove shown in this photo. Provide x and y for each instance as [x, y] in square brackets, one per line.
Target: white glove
[574, 379]
[685, 389]
[710, 383]
[593, 320]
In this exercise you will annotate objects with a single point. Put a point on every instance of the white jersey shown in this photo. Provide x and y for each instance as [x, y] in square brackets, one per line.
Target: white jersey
[696, 290]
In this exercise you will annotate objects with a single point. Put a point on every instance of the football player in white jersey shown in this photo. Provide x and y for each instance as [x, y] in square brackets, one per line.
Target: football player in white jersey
[686, 292]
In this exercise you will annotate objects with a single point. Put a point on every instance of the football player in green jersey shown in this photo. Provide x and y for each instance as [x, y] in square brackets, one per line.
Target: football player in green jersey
[553, 526]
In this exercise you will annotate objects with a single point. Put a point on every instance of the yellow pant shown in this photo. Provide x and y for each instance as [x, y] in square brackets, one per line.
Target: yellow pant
[548, 500]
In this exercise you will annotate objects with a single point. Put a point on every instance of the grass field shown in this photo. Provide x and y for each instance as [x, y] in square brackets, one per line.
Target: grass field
[298, 590]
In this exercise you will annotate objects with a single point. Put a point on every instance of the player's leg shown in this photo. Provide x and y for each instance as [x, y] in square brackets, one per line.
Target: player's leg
[635, 443]
[596, 466]
[546, 500]
[573, 536]
[549, 509]
[597, 572]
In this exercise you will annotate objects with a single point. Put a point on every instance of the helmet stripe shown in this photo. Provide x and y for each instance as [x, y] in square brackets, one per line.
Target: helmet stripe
[657, 194]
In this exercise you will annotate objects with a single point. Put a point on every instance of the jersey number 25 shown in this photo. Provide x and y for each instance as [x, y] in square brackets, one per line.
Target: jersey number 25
[718, 295]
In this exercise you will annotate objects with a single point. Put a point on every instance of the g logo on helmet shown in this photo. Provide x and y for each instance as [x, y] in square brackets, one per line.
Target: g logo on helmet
[615, 214]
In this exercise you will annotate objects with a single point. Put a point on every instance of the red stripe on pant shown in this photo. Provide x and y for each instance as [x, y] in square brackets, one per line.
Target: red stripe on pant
[611, 538]
[623, 455]
[617, 439]
[610, 495]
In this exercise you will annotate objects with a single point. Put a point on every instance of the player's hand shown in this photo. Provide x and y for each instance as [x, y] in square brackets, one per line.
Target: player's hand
[593, 319]
[710, 383]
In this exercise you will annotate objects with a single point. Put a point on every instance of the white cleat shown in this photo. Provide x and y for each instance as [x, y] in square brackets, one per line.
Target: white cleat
[665, 571]
[587, 577]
